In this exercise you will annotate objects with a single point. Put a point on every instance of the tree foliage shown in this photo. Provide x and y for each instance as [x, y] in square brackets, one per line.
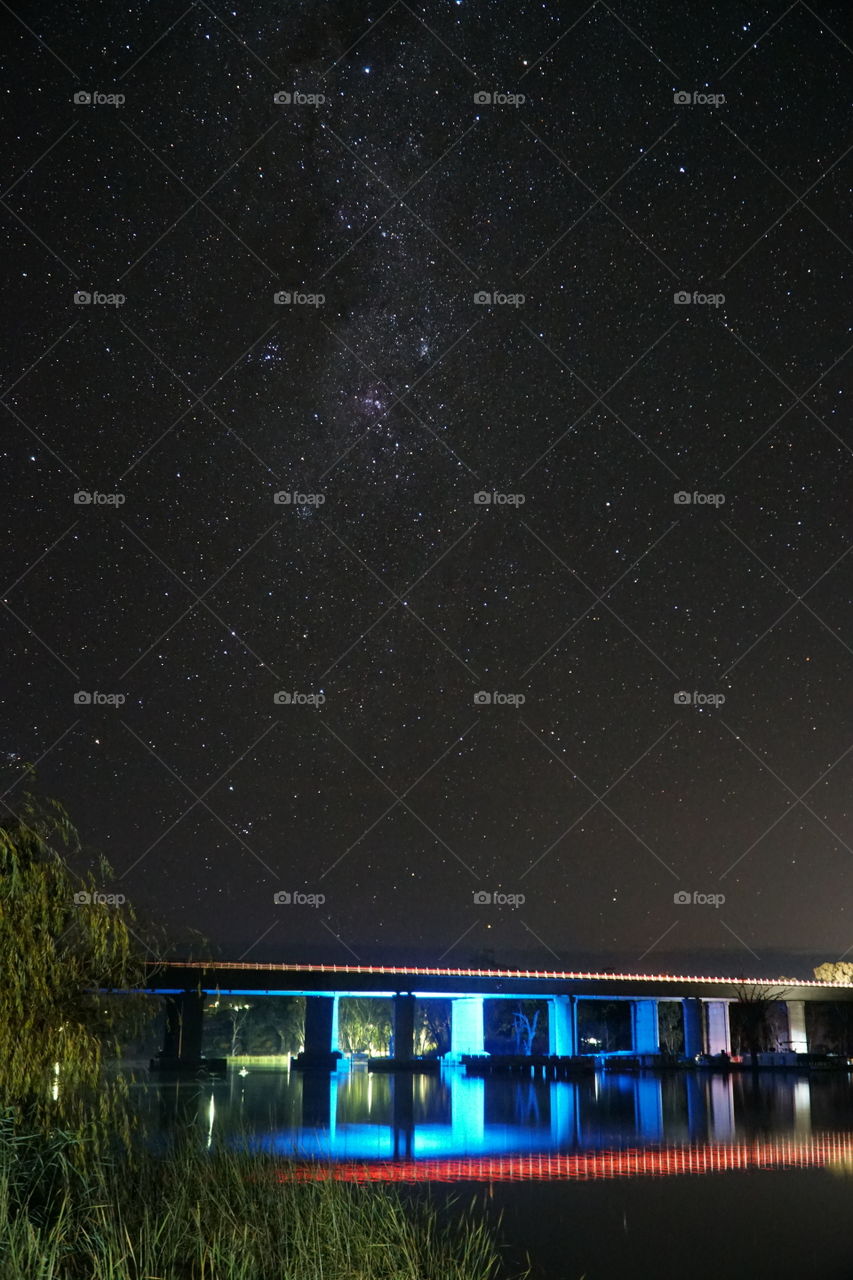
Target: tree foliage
[432, 1032]
[60, 944]
[671, 1027]
[753, 1018]
[516, 1026]
[524, 1029]
[364, 1025]
[235, 1025]
[835, 971]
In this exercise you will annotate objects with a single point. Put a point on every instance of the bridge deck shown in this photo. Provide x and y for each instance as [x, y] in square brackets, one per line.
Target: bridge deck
[248, 976]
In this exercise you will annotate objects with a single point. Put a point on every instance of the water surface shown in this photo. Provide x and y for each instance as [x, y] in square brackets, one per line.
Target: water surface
[687, 1173]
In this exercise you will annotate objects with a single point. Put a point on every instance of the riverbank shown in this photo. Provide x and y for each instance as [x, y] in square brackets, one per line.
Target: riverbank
[74, 1207]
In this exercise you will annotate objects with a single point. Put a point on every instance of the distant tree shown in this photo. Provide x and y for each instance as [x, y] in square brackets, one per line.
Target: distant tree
[513, 1026]
[671, 1026]
[254, 1025]
[62, 942]
[835, 971]
[752, 1019]
[227, 1024]
[524, 1030]
[285, 1017]
[238, 1013]
[434, 1035]
[364, 1025]
[604, 1025]
[835, 1023]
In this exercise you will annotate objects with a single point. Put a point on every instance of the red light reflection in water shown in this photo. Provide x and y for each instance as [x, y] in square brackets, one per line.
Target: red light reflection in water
[658, 1162]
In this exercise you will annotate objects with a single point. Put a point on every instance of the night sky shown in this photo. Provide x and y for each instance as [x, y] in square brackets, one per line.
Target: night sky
[582, 199]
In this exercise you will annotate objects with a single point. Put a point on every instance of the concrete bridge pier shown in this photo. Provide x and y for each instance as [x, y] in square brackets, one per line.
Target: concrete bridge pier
[403, 1041]
[466, 1027]
[797, 1037]
[562, 1026]
[644, 1026]
[693, 1031]
[182, 1035]
[184, 1024]
[719, 1028]
[321, 1035]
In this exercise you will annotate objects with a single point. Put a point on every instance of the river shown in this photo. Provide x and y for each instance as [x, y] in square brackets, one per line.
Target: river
[685, 1173]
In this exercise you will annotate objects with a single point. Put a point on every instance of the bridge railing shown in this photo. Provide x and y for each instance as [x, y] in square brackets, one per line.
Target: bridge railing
[554, 975]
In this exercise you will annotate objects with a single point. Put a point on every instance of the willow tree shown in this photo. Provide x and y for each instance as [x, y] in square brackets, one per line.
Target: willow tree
[63, 943]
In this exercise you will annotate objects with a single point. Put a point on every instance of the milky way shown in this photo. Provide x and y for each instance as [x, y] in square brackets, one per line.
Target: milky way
[487, 395]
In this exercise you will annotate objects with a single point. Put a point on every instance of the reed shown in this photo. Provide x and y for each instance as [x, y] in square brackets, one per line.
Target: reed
[232, 1213]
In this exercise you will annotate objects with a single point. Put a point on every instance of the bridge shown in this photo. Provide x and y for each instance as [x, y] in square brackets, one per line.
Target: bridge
[704, 1001]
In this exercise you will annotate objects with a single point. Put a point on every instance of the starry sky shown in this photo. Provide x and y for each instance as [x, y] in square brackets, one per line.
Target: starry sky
[428, 435]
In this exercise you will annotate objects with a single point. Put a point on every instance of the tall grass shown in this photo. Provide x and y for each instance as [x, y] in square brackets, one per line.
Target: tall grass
[227, 1214]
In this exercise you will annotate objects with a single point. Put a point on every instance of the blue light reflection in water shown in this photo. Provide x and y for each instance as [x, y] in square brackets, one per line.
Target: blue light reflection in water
[610, 1175]
[358, 1115]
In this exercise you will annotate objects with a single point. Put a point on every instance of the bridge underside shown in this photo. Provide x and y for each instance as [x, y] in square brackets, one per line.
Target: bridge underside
[704, 1020]
[360, 980]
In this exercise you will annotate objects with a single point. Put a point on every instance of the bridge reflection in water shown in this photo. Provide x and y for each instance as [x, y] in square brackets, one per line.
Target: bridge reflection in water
[448, 1127]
